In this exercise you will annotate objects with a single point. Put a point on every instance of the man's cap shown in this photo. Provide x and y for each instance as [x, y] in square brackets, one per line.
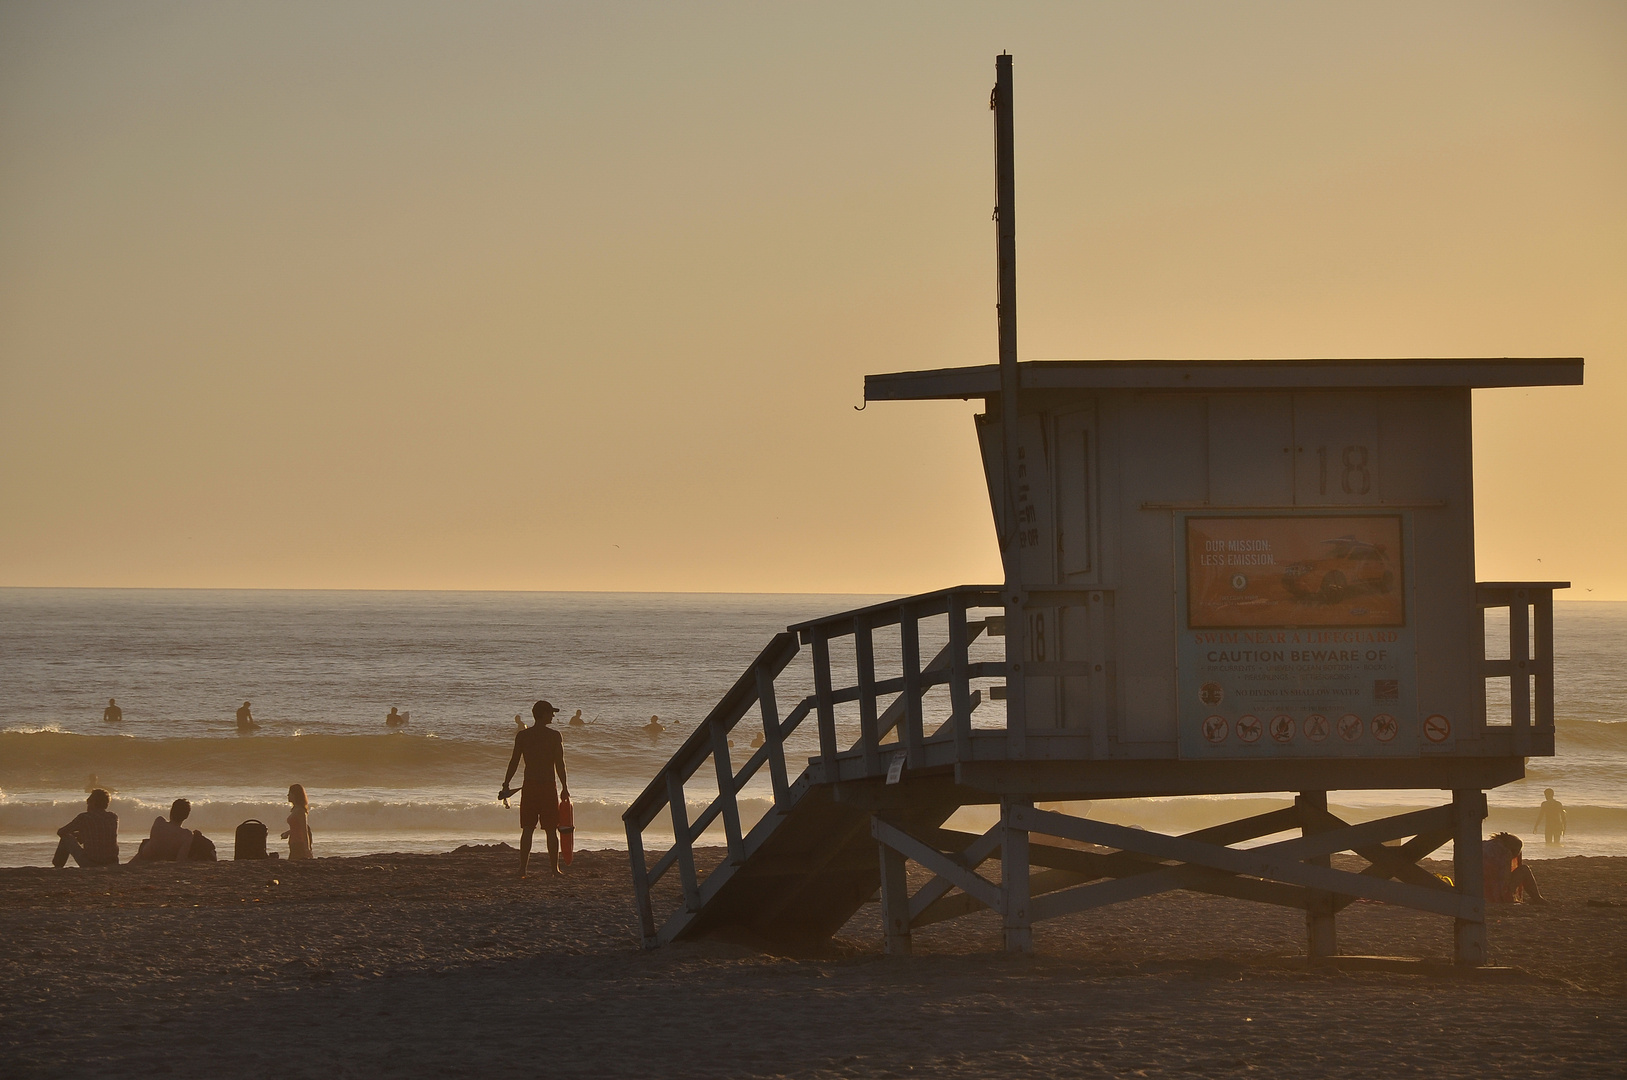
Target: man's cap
[542, 708]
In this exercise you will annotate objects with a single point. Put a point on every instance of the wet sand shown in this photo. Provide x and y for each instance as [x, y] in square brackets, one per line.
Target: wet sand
[444, 965]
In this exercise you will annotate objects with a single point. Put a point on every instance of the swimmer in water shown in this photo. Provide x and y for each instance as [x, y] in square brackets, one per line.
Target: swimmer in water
[395, 719]
[655, 727]
[245, 720]
[576, 719]
[112, 714]
[757, 741]
[519, 723]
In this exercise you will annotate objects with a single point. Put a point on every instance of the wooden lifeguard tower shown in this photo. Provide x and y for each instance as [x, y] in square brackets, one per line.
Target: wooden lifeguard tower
[1222, 576]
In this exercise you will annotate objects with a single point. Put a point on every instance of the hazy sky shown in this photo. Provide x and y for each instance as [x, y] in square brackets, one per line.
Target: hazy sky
[540, 296]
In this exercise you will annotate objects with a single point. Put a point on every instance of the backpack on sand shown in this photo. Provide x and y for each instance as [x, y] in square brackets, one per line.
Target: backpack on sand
[202, 849]
[251, 840]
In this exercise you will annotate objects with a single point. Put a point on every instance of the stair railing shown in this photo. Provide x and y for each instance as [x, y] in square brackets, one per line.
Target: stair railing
[756, 687]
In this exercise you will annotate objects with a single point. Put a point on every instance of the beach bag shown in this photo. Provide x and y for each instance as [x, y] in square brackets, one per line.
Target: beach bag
[251, 840]
[202, 849]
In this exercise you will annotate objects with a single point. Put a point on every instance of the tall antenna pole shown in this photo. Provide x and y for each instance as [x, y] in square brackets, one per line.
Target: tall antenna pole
[1012, 535]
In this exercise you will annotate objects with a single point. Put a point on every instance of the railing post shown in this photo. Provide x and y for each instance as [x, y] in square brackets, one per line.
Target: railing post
[1542, 605]
[1014, 883]
[772, 735]
[824, 702]
[641, 885]
[680, 836]
[909, 632]
[1016, 680]
[1519, 653]
[865, 660]
[1468, 876]
[726, 792]
[960, 691]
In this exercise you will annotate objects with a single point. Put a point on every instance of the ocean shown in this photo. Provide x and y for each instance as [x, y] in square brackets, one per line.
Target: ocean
[322, 669]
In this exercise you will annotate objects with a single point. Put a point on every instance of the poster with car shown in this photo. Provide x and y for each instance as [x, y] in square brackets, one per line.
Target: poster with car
[1295, 639]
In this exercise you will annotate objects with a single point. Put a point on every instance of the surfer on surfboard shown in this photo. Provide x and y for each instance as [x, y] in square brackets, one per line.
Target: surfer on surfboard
[543, 752]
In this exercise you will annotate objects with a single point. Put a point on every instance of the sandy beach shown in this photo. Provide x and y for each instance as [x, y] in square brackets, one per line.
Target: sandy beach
[436, 965]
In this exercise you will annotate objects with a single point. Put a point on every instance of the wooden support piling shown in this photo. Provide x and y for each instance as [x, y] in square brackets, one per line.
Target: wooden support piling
[1468, 878]
[1014, 883]
[1320, 931]
[895, 901]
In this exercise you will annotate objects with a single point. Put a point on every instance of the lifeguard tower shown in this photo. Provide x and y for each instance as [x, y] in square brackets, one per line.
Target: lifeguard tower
[1222, 576]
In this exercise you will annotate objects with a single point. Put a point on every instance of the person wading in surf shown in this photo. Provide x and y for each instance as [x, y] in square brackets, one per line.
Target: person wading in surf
[544, 754]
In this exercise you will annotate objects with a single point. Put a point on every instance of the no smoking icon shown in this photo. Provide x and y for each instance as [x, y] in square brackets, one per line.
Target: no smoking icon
[1437, 728]
[1350, 727]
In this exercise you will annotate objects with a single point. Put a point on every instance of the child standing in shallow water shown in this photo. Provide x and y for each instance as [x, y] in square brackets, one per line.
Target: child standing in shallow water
[299, 825]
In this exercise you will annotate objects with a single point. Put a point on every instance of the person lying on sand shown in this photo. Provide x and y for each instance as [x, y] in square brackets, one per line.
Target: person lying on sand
[1508, 879]
[168, 841]
[543, 752]
[92, 838]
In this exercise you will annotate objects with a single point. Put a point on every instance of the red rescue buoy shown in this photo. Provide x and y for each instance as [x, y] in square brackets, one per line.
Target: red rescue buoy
[567, 831]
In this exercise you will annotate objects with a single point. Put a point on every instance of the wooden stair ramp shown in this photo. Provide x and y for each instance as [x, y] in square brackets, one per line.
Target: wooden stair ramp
[803, 870]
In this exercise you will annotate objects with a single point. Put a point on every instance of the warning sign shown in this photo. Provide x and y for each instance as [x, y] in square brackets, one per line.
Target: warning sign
[1437, 728]
[1291, 616]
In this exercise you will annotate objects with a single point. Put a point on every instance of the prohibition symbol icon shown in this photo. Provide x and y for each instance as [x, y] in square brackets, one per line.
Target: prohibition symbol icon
[1282, 728]
[1316, 727]
[1248, 728]
[1437, 728]
[1350, 727]
[1384, 727]
[1215, 728]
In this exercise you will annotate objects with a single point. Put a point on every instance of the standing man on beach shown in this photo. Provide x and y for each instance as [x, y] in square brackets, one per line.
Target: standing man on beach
[544, 754]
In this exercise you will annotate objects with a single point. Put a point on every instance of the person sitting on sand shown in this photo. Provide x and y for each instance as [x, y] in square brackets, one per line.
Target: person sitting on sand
[112, 714]
[1508, 879]
[298, 834]
[92, 838]
[245, 720]
[543, 752]
[576, 719]
[168, 841]
[395, 719]
[655, 727]
[1552, 811]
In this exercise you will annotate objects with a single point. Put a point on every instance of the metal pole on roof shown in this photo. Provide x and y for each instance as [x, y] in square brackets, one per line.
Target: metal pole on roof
[1011, 534]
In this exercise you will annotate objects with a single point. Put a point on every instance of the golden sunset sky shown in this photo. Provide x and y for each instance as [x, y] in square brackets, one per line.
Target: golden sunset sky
[541, 296]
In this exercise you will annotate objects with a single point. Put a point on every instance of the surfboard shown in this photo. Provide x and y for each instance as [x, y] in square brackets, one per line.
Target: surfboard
[567, 831]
